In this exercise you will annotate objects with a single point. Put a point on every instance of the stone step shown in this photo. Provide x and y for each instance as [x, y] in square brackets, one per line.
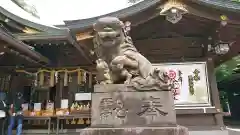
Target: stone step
[209, 132]
[234, 131]
[54, 134]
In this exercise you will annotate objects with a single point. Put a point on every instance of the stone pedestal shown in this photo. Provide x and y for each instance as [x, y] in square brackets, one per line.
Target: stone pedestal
[178, 130]
[118, 109]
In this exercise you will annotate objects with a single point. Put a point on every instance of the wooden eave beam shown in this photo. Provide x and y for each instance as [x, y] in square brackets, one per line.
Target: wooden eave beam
[20, 46]
[53, 36]
[79, 48]
[40, 36]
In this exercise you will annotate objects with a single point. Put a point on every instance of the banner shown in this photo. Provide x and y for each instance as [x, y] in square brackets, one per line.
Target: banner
[189, 83]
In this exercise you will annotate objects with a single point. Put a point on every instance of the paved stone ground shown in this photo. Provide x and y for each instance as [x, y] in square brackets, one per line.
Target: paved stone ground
[229, 131]
[191, 133]
[215, 132]
[234, 131]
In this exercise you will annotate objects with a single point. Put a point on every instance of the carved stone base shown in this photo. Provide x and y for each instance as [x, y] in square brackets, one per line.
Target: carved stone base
[136, 131]
[131, 109]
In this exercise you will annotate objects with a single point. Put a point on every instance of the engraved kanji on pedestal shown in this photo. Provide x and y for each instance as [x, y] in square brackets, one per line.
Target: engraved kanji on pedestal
[106, 108]
[131, 108]
[151, 109]
[111, 109]
[121, 112]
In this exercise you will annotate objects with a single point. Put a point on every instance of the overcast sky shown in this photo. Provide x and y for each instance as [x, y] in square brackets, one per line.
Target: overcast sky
[53, 12]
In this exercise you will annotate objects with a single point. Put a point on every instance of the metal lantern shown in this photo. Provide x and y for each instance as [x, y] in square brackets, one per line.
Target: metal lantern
[173, 10]
[222, 47]
[174, 17]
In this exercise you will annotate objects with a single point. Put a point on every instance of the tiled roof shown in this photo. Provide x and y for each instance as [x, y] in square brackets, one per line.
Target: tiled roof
[231, 5]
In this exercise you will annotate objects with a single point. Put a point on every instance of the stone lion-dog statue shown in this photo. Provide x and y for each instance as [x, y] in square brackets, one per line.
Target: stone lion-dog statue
[119, 62]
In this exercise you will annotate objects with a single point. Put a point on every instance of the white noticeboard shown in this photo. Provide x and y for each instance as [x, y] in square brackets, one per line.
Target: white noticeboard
[83, 96]
[50, 106]
[37, 106]
[25, 107]
[189, 81]
[64, 103]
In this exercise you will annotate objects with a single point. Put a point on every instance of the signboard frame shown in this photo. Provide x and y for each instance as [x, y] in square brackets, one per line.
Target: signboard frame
[206, 104]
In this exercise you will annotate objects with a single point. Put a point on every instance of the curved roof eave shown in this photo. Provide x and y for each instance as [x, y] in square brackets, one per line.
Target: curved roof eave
[7, 37]
[86, 23]
[34, 25]
[220, 4]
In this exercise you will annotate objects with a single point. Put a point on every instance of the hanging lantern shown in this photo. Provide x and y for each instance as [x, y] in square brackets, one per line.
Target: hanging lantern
[173, 10]
[222, 47]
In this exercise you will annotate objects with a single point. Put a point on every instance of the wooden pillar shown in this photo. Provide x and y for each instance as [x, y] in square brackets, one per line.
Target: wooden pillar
[58, 86]
[214, 92]
[59, 89]
[73, 87]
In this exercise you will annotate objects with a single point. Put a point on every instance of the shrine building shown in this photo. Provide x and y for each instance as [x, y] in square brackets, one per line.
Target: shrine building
[47, 53]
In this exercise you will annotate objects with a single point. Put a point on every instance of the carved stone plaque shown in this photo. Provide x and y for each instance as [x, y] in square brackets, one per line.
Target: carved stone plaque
[124, 109]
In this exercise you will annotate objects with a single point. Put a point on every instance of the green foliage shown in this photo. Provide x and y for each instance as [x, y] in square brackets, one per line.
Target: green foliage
[223, 96]
[226, 69]
[224, 100]
[235, 1]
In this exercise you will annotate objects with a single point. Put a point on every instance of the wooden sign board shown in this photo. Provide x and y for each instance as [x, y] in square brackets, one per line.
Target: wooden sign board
[189, 81]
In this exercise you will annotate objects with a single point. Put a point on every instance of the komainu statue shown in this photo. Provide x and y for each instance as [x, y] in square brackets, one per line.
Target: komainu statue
[119, 62]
